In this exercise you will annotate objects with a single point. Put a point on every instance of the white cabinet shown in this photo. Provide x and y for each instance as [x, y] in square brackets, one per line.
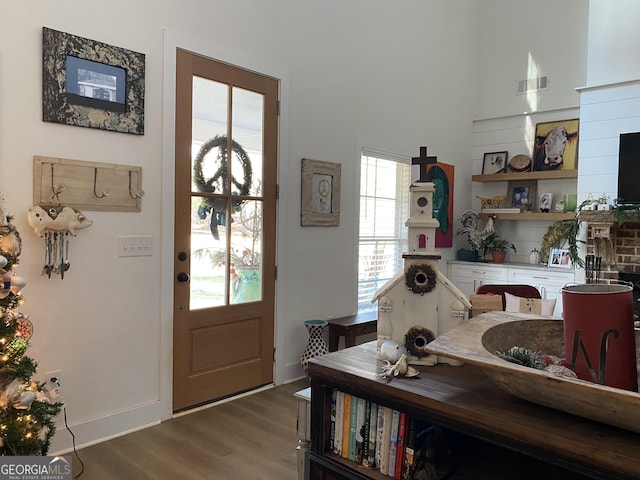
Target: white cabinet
[468, 276]
[548, 281]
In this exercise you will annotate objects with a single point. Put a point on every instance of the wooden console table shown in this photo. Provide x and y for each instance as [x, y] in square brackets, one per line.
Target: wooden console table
[351, 327]
[507, 437]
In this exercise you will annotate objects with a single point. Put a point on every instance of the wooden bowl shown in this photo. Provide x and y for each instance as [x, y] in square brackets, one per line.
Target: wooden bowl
[476, 341]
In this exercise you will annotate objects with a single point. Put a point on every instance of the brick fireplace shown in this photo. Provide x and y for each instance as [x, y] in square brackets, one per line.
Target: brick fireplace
[618, 245]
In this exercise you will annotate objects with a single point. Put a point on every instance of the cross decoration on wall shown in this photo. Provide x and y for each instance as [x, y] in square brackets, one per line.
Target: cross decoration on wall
[423, 161]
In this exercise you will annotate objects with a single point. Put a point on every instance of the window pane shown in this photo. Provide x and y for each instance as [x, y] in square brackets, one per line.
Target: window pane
[384, 208]
[208, 252]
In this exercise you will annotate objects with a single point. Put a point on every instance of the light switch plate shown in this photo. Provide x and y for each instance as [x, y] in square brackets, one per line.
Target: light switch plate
[135, 245]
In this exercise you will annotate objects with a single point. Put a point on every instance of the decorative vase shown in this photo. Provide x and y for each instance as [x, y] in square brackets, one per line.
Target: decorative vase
[498, 257]
[534, 257]
[247, 286]
[316, 345]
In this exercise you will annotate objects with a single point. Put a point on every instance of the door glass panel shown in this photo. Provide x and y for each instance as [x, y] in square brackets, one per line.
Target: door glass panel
[246, 252]
[247, 131]
[208, 252]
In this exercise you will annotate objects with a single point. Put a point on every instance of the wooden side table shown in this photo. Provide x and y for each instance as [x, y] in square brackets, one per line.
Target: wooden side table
[351, 327]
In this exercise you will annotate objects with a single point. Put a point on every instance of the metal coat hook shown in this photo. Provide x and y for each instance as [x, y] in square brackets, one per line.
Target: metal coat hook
[56, 188]
[95, 181]
[138, 193]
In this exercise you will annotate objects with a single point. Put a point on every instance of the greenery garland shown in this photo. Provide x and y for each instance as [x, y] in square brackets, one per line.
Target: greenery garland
[420, 278]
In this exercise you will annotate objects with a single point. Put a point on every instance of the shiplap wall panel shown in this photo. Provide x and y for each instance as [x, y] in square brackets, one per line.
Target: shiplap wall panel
[606, 112]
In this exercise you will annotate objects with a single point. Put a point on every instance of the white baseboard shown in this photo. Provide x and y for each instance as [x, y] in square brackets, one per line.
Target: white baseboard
[98, 430]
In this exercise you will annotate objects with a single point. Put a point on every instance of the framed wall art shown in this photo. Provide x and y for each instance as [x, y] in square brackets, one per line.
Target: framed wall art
[442, 176]
[91, 84]
[522, 195]
[320, 199]
[494, 162]
[555, 145]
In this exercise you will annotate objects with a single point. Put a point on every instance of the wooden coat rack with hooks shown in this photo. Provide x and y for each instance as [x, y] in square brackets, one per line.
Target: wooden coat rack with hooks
[87, 185]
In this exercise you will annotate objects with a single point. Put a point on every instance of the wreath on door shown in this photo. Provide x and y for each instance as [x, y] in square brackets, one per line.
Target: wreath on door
[217, 183]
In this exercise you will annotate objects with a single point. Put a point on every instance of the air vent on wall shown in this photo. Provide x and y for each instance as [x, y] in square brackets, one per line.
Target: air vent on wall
[532, 84]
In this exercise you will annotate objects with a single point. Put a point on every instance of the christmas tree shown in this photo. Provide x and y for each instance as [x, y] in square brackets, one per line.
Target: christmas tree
[27, 407]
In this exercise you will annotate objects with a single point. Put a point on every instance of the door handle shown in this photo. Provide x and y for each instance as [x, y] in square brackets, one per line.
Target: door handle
[183, 277]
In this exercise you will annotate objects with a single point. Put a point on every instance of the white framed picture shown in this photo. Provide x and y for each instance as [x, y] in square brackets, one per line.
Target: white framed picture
[559, 258]
[545, 202]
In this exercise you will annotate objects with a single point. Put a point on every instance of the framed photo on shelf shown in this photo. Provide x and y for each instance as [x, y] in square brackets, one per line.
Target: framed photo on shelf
[320, 203]
[494, 162]
[559, 258]
[545, 202]
[555, 145]
[522, 195]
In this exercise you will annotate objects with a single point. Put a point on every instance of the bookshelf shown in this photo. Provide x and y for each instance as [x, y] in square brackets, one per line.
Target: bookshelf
[494, 435]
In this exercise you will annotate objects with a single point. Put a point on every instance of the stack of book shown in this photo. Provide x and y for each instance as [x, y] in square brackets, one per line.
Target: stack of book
[385, 439]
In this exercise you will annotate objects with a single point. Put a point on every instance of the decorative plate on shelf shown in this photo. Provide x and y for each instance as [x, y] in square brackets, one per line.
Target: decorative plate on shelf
[520, 163]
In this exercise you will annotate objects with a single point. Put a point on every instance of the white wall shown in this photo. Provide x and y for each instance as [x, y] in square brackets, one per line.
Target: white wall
[521, 40]
[396, 72]
[614, 42]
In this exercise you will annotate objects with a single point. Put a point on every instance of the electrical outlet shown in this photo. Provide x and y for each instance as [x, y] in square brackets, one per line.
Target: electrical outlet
[135, 245]
[52, 385]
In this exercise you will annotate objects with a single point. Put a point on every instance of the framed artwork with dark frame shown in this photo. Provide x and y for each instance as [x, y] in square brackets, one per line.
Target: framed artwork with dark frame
[320, 202]
[494, 162]
[91, 84]
[522, 195]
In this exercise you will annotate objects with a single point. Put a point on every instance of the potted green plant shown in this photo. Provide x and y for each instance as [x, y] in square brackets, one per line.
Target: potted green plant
[497, 247]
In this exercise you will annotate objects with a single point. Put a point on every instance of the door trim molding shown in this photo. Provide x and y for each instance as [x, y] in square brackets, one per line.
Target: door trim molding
[173, 40]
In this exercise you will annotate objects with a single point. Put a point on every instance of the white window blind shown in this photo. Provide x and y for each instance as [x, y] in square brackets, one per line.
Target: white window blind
[384, 207]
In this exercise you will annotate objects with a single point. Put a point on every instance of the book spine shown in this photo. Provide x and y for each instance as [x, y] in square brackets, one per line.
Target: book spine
[337, 442]
[393, 444]
[400, 451]
[386, 441]
[379, 435]
[353, 420]
[366, 433]
[360, 421]
[410, 443]
[373, 430]
[345, 426]
[332, 438]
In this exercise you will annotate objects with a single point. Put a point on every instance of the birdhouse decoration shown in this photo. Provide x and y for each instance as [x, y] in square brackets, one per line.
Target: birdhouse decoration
[419, 302]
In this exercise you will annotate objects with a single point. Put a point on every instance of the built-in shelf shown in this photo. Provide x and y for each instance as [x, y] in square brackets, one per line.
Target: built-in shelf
[544, 217]
[543, 175]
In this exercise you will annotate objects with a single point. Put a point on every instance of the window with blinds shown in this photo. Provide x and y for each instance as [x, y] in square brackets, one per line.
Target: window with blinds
[384, 209]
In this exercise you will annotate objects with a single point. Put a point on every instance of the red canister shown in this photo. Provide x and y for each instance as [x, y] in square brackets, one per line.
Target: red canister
[598, 333]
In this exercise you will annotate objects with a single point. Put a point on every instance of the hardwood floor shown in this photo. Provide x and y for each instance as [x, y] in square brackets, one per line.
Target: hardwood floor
[252, 438]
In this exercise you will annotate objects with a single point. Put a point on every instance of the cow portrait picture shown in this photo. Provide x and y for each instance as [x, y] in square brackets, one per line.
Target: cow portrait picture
[555, 145]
